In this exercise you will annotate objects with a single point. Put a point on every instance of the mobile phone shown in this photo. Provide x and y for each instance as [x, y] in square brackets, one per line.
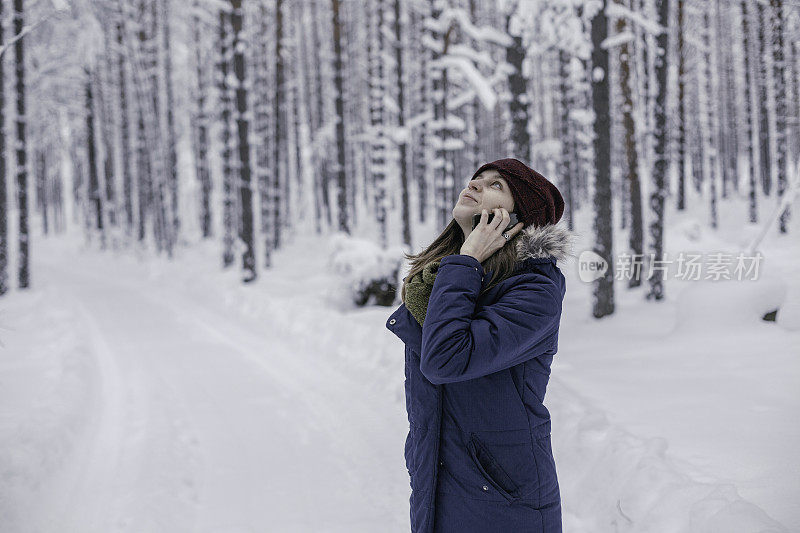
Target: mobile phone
[476, 219]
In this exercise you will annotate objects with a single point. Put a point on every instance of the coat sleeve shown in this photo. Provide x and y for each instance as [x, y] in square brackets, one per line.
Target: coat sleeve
[459, 343]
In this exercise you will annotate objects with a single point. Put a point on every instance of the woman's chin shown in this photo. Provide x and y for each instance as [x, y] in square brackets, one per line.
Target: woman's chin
[464, 210]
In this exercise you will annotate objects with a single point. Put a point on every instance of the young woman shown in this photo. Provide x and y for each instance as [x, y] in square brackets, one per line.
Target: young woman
[480, 318]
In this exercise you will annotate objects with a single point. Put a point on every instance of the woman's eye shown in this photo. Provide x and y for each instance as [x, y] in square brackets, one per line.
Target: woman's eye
[501, 185]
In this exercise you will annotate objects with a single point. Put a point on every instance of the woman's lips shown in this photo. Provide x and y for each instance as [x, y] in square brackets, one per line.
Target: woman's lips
[469, 198]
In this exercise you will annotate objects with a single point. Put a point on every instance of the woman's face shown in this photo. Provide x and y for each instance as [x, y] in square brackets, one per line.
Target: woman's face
[489, 190]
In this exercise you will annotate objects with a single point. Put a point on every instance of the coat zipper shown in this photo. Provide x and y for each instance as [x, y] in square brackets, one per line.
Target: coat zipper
[431, 513]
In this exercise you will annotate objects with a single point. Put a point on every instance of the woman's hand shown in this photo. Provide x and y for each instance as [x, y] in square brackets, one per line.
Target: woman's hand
[487, 237]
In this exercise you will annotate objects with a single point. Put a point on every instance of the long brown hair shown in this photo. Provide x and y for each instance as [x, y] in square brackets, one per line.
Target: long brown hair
[501, 263]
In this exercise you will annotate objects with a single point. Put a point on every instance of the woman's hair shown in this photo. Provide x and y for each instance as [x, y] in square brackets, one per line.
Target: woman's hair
[501, 263]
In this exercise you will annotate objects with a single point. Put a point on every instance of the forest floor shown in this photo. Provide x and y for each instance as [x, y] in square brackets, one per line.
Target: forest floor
[156, 396]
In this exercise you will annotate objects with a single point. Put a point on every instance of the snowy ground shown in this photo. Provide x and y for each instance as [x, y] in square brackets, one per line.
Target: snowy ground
[154, 396]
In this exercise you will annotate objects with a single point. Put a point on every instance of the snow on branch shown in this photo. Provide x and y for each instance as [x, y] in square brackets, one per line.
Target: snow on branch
[462, 50]
[481, 85]
[29, 28]
[620, 11]
[503, 70]
[484, 34]
[617, 40]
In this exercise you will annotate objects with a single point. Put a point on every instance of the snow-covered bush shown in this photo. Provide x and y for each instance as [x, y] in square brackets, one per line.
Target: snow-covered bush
[367, 273]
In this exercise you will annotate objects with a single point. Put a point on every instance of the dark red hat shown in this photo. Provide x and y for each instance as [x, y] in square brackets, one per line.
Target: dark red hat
[536, 200]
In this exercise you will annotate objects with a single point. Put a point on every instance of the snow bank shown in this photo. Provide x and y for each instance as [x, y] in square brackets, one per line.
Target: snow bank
[359, 264]
[612, 480]
[721, 305]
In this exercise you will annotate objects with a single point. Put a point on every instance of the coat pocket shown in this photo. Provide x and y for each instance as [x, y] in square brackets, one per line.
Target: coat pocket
[491, 470]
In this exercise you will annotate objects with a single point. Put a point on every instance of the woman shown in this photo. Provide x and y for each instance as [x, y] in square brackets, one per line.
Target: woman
[480, 323]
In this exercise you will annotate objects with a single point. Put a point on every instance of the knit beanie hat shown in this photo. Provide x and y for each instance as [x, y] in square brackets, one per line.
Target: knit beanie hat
[536, 200]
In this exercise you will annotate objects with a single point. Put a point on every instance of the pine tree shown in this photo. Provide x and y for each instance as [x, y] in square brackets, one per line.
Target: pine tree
[726, 133]
[750, 106]
[681, 194]
[661, 162]
[319, 111]
[378, 92]
[265, 164]
[443, 161]
[200, 126]
[242, 129]
[568, 146]
[779, 67]
[144, 168]
[279, 140]
[399, 72]
[518, 87]
[21, 150]
[3, 185]
[127, 159]
[343, 223]
[93, 193]
[603, 222]
[230, 210]
[631, 172]
[764, 94]
[165, 52]
[421, 87]
[105, 114]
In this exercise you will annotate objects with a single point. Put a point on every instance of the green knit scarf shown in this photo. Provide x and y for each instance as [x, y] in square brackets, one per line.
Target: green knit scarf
[418, 290]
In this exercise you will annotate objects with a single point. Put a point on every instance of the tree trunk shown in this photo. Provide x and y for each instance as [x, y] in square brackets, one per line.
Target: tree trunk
[93, 194]
[763, 98]
[230, 215]
[378, 117]
[681, 108]
[201, 132]
[263, 127]
[660, 135]
[3, 180]
[518, 105]
[279, 138]
[603, 304]
[242, 126]
[750, 105]
[104, 106]
[443, 159]
[322, 163]
[401, 123]
[127, 176]
[421, 147]
[341, 149]
[23, 259]
[779, 67]
[171, 137]
[712, 141]
[635, 236]
[567, 150]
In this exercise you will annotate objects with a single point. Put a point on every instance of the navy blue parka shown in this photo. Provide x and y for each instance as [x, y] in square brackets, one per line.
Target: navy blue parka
[478, 450]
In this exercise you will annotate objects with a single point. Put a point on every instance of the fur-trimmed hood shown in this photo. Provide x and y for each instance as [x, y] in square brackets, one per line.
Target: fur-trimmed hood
[550, 240]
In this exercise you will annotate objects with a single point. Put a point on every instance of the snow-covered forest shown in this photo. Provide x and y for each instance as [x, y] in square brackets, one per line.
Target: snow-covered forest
[204, 206]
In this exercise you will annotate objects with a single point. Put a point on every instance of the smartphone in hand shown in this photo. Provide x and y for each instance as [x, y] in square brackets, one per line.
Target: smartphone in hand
[476, 219]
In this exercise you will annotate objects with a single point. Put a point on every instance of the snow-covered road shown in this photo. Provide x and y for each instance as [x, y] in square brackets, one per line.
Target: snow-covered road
[196, 423]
